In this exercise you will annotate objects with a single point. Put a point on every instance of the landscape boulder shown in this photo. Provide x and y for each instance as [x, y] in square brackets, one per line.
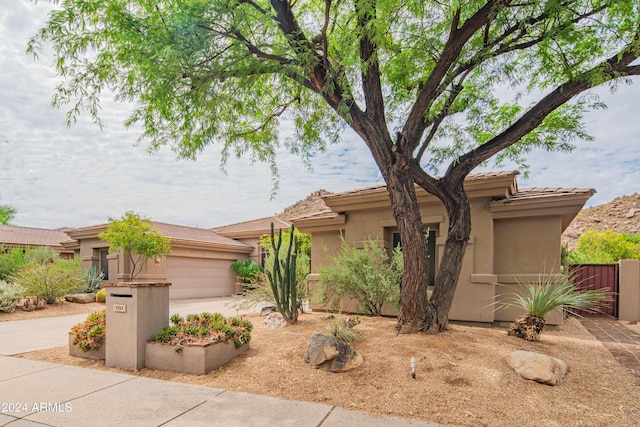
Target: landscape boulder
[275, 320]
[538, 367]
[330, 354]
[82, 298]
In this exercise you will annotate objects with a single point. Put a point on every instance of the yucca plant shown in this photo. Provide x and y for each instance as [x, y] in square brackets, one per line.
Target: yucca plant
[539, 298]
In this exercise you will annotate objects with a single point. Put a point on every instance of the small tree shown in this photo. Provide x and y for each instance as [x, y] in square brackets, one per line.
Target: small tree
[137, 237]
[7, 214]
[366, 275]
[11, 260]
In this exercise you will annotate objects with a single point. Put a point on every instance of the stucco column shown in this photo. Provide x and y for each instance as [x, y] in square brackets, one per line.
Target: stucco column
[629, 290]
[135, 313]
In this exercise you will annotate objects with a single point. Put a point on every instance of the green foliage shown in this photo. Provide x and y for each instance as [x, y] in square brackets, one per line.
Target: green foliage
[204, 328]
[303, 258]
[138, 238]
[551, 292]
[605, 247]
[90, 334]
[282, 275]
[41, 255]
[10, 296]
[101, 296]
[7, 214]
[246, 269]
[93, 279]
[343, 330]
[365, 275]
[11, 260]
[52, 279]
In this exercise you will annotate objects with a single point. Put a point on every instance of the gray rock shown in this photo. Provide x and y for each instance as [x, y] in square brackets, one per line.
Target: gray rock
[538, 367]
[275, 321]
[267, 309]
[81, 298]
[330, 354]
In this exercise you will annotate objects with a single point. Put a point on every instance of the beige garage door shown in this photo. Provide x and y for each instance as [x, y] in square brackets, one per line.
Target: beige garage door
[199, 278]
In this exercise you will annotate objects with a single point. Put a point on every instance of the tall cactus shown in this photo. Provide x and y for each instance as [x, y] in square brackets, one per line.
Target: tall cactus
[282, 276]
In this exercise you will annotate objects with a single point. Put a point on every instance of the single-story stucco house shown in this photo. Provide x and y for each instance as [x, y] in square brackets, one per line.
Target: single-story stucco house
[515, 236]
[199, 265]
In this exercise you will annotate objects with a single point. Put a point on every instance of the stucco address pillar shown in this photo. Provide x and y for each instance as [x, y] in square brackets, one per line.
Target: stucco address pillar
[629, 290]
[135, 313]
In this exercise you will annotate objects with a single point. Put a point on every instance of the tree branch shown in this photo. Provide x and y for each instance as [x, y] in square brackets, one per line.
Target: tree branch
[415, 124]
[615, 67]
[370, 68]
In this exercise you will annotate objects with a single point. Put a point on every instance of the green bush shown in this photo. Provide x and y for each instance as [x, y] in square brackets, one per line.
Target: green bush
[51, 280]
[10, 296]
[41, 255]
[204, 328]
[605, 247]
[246, 269]
[101, 295]
[365, 275]
[90, 334]
[11, 260]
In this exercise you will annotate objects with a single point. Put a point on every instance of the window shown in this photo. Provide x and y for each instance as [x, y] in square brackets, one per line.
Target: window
[104, 264]
[431, 250]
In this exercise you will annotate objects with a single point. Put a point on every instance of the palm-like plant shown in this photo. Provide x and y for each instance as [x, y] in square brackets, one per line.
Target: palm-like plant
[545, 295]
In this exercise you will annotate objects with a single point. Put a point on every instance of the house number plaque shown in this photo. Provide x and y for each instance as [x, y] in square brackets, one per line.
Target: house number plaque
[120, 308]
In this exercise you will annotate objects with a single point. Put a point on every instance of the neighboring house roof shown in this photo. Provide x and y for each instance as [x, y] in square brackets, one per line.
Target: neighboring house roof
[179, 234]
[253, 228]
[15, 236]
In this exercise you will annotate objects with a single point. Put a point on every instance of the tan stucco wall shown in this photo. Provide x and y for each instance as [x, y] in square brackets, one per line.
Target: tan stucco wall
[526, 250]
[629, 299]
[500, 250]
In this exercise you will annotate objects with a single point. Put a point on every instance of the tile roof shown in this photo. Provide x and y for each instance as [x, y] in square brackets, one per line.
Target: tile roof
[194, 234]
[24, 236]
[540, 192]
[259, 226]
[470, 178]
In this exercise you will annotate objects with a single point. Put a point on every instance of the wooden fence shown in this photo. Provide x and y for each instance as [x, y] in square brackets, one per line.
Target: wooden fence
[598, 276]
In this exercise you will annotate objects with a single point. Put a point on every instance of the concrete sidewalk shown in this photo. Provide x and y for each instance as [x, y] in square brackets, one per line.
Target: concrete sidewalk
[36, 393]
[21, 336]
[43, 394]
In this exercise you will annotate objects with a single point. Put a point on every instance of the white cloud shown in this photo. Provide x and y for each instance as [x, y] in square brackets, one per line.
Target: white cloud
[58, 176]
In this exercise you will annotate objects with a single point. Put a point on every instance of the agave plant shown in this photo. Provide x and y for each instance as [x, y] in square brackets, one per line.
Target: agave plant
[545, 295]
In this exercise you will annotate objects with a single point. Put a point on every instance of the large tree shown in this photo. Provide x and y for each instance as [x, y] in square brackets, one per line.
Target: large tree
[421, 82]
[7, 214]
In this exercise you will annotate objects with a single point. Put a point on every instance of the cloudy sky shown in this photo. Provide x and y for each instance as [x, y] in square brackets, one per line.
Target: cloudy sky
[57, 176]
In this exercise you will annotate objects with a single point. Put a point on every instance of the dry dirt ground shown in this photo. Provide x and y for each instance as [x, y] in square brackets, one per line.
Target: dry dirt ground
[462, 376]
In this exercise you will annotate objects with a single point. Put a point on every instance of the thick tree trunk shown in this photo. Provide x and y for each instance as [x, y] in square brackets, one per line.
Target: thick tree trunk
[459, 213]
[415, 310]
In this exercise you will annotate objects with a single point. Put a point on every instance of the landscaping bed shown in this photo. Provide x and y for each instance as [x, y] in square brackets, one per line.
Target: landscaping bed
[462, 375]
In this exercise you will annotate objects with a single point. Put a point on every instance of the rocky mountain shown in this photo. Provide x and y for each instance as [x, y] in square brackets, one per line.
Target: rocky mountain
[310, 205]
[621, 215]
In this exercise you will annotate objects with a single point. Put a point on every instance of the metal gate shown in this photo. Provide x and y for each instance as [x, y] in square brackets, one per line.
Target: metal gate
[597, 276]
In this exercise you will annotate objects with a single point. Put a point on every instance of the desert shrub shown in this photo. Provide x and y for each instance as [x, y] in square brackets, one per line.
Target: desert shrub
[303, 259]
[246, 269]
[10, 296]
[342, 329]
[41, 255]
[90, 334]
[547, 294]
[51, 280]
[205, 327]
[101, 295]
[11, 260]
[366, 275]
[605, 247]
[92, 279]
